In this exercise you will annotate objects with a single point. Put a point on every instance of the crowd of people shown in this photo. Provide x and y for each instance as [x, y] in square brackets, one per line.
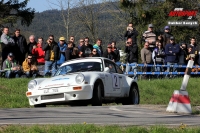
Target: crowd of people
[159, 50]
[22, 57]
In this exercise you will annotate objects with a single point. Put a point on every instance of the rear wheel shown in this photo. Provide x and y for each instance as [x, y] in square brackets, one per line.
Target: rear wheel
[97, 95]
[39, 105]
[133, 98]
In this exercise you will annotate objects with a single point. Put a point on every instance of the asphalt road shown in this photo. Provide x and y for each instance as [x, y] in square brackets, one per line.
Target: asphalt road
[122, 115]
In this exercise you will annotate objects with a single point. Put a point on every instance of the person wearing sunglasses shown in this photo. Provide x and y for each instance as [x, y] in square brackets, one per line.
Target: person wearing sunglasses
[29, 67]
[51, 55]
[94, 53]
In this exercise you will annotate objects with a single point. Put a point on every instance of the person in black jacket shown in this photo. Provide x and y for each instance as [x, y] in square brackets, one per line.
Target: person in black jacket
[109, 53]
[131, 32]
[51, 55]
[20, 46]
[69, 50]
[131, 51]
[94, 53]
[116, 51]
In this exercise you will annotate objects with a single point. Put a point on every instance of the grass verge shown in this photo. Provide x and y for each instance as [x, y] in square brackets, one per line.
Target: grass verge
[90, 128]
[157, 91]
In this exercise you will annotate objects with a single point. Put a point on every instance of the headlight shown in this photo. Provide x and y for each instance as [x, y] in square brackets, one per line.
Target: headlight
[32, 84]
[79, 78]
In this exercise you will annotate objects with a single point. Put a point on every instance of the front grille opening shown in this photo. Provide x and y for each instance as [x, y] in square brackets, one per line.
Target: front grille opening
[54, 96]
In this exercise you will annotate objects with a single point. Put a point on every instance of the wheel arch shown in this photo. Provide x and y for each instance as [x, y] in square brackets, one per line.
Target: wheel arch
[97, 81]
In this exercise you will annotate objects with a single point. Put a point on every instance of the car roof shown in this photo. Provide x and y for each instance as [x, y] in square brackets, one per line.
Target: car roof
[98, 59]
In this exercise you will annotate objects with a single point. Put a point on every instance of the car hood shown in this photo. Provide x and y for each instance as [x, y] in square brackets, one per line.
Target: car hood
[58, 81]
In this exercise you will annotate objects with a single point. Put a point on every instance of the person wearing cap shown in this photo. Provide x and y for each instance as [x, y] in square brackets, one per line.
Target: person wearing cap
[109, 53]
[62, 46]
[150, 37]
[131, 32]
[131, 51]
[11, 66]
[166, 35]
[51, 55]
[172, 52]
[29, 67]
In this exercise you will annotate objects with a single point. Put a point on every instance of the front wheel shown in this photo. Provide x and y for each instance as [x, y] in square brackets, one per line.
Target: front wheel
[97, 96]
[134, 97]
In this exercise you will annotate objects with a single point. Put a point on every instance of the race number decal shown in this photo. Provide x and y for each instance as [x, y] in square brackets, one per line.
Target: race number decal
[115, 80]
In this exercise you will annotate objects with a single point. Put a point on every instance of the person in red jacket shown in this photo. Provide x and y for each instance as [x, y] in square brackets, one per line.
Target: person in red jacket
[39, 53]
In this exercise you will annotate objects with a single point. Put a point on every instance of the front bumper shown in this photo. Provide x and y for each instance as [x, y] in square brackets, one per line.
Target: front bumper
[61, 94]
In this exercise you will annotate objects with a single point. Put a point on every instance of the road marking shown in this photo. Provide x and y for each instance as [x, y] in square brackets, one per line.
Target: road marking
[136, 112]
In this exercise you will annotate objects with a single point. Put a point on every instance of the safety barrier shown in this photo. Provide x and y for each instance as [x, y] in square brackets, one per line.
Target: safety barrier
[158, 73]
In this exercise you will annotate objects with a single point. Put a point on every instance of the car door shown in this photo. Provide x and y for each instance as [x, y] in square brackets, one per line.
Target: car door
[112, 79]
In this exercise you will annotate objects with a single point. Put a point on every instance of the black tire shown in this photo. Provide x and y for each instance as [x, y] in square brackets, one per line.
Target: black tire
[134, 97]
[97, 95]
[40, 105]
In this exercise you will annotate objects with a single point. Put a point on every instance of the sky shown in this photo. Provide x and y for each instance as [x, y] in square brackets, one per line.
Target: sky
[42, 5]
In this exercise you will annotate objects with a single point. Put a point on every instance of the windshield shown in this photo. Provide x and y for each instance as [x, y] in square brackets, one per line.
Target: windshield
[79, 67]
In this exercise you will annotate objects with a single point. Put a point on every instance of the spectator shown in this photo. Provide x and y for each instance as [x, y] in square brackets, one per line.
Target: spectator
[72, 39]
[132, 56]
[194, 50]
[51, 55]
[158, 57]
[32, 42]
[94, 53]
[166, 36]
[98, 47]
[11, 67]
[7, 43]
[86, 48]
[81, 43]
[131, 32]
[20, 46]
[146, 56]
[39, 54]
[62, 46]
[69, 50]
[160, 39]
[116, 51]
[150, 37]
[29, 67]
[109, 53]
[182, 56]
[172, 50]
[75, 53]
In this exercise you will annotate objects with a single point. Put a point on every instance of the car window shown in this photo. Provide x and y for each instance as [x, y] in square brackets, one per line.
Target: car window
[111, 65]
[118, 69]
[79, 67]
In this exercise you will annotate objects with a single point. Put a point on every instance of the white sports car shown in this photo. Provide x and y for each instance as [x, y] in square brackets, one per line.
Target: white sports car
[92, 79]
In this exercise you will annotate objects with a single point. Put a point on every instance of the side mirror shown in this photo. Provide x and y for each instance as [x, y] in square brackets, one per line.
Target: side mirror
[107, 69]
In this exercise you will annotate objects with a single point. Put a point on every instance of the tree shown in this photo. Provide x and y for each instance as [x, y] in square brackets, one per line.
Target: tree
[13, 10]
